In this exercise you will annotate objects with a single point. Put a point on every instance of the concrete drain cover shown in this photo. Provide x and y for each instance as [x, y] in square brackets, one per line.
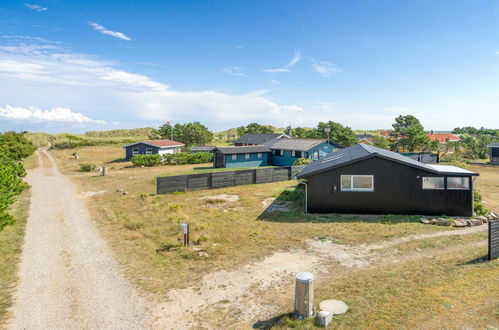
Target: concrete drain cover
[334, 306]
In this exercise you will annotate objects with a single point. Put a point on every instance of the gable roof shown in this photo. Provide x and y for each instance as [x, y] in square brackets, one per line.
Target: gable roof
[242, 150]
[442, 137]
[362, 151]
[298, 144]
[493, 145]
[158, 143]
[259, 138]
[203, 148]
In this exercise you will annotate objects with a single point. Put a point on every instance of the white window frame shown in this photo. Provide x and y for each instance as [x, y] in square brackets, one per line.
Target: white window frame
[293, 153]
[135, 151]
[148, 151]
[440, 177]
[465, 177]
[260, 155]
[246, 156]
[351, 183]
[234, 157]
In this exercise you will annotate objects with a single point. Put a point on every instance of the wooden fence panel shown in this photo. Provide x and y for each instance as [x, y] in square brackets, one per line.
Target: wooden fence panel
[295, 170]
[169, 184]
[493, 239]
[280, 174]
[223, 179]
[199, 181]
[264, 175]
[245, 177]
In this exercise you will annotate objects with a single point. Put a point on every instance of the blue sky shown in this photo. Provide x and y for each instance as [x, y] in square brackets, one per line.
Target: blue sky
[85, 65]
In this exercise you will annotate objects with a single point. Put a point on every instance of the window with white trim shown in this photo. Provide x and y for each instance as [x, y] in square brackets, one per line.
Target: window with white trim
[135, 151]
[293, 153]
[234, 157]
[246, 156]
[357, 183]
[458, 183]
[259, 155]
[148, 151]
[433, 182]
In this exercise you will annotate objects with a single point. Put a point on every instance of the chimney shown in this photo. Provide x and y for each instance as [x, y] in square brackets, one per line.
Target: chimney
[431, 132]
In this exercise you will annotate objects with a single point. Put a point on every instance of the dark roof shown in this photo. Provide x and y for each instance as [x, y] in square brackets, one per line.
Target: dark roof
[158, 143]
[258, 138]
[493, 145]
[362, 151]
[242, 150]
[364, 136]
[203, 148]
[298, 144]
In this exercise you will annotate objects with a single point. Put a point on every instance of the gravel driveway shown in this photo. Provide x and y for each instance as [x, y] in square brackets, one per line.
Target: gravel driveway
[69, 278]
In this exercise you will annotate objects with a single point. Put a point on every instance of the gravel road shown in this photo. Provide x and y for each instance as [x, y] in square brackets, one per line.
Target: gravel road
[69, 278]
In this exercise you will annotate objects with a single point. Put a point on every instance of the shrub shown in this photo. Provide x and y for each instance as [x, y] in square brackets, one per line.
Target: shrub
[146, 160]
[182, 158]
[87, 167]
[303, 161]
[480, 209]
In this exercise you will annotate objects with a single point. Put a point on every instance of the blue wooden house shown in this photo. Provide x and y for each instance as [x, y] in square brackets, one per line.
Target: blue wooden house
[152, 147]
[276, 152]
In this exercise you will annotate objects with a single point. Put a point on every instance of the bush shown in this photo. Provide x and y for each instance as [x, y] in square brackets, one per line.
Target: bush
[303, 161]
[480, 209]
[146, 160]
[87, 167]
[182, 158]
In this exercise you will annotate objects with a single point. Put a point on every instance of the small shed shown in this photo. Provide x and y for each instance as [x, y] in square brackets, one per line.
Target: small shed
[247, 156]
[494, 153]
[152, 147]
[364, 179]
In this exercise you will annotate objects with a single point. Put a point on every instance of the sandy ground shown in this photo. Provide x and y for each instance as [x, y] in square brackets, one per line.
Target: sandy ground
[239, 295]
[69, 278]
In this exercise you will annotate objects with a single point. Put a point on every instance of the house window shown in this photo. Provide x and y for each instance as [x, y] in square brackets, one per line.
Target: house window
[135, 151]
[148, 151]
[357, 183]
[298, 154]
[234, 157]
[433, 182]
[246, 156]
[259, 155]
[458, 183]
[315, 155]
[293, 153]
[279, 152]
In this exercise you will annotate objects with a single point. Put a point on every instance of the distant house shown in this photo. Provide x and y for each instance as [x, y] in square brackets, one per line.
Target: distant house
[494, 153]
[275, 152]
[258, 139]
[443, 138]
[202, 149]
[152, 147]
[369, 180]
[365, 138]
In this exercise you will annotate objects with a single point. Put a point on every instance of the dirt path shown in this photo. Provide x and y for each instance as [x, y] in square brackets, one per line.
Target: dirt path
[69, 278]
[240, 292]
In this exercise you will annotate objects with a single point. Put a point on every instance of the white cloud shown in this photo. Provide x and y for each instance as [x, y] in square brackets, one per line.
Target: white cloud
[325, 69]
[235, 71]
[105, 31]
[296, 58]
[35, 7]
[36, 115]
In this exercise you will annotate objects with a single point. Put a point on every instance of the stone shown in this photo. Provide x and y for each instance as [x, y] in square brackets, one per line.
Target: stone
[494, 216]
[460, 223]
[424, 220]
[324, 318]
[433, 221]
[125, 193]
[203, 254]
[482, 218]
[468, 223]
[443, 222]
[486, 219]
[334, 306]
[490, 217]
[476, 222]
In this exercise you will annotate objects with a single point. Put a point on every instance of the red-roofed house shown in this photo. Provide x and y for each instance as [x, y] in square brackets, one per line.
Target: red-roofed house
[443, 138]
[152, 147]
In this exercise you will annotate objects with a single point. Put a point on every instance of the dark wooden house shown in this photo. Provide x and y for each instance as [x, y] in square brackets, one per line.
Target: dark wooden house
[152, 147]
[494, 153]
[363, 179]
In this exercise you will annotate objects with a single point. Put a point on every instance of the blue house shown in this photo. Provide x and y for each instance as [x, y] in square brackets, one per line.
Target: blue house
[152, 147]
[276, 152]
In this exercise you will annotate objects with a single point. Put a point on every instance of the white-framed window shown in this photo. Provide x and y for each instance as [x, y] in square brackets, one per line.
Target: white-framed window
[246, 156]
[148, 151]
[293, 153]
[433, 182]
[357, 182]
[259, 155]
[135, 151]
[315, 155]
[279, 152]
[458, 183]
[234, 157]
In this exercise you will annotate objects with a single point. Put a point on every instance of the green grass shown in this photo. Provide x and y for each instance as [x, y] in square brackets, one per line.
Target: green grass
[11, 239]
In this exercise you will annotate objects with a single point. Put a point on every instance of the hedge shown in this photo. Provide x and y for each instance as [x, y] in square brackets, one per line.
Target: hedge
[182, 158]
[146, 160]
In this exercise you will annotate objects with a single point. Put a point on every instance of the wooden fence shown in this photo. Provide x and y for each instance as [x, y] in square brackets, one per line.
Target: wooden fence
[493, 239]
[169, 184]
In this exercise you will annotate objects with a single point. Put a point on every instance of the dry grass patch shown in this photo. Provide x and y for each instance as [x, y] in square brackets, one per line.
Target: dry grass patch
[488, 185]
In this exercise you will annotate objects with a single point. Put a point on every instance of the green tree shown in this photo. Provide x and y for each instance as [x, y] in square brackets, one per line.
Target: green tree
[15, 145]
[381, 142]
[300, 132]
[193, 133]
[254, 128]
[408, 133]
[338, 133]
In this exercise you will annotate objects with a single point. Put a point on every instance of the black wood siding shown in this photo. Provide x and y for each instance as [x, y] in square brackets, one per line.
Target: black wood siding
[142, 150]
[397, 190]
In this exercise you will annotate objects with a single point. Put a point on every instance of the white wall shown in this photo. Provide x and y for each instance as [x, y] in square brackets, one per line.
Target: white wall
[170, 150]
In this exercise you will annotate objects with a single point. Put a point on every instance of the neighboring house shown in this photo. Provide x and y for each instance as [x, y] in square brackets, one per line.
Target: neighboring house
[443, 138]
[247, 156]
[370, 180]
[202, 149]
[494, 153]
[258, 139]
[152, 147]
[285, 152]
[365, 138]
